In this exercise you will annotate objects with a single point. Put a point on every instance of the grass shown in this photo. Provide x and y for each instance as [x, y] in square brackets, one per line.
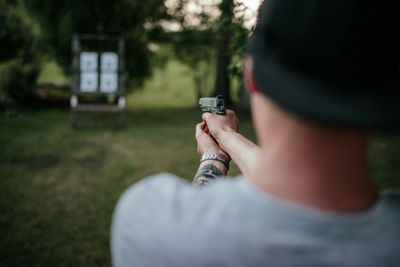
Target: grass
[51, 72]
[384, 158]
[58, 187]
[171, 87]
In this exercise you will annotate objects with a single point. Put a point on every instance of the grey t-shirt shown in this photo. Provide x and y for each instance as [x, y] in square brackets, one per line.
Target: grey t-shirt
[164, 221]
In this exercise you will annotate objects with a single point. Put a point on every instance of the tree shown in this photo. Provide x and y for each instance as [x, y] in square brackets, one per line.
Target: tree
[19, 51]
[61, 19]
[212, 32]
[233, 37]
[196, 49]
[222, 81]
[195, 40]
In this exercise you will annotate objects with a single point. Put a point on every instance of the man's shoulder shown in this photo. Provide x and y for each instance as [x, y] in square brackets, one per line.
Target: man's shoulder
[391, 203]
[392, 196]
[152, 193]
[165, 186]
[162, 184]
[165, 213]
[167, 197]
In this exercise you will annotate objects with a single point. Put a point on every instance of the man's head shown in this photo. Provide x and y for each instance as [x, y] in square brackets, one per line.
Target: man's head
[271, 119]
[330, 62]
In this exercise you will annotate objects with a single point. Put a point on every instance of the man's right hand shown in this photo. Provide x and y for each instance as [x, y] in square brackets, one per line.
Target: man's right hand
[220, 124]
[224, 129]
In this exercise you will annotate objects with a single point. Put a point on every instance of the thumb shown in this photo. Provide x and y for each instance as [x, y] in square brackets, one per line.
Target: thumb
[206, 116]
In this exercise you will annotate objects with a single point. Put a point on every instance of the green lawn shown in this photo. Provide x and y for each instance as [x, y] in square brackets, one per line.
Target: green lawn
[170, 87]
[58, 187]
[51, 72]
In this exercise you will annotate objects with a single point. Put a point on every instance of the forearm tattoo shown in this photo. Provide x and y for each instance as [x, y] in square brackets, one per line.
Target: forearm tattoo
[206, 175]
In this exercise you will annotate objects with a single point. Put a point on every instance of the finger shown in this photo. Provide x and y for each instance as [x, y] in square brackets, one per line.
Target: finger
[206, 116]
[203, 125]
[230, 112]
[199, 130]
[199, 126]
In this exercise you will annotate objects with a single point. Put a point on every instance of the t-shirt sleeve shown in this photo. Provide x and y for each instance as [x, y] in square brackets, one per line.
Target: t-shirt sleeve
[143, 217]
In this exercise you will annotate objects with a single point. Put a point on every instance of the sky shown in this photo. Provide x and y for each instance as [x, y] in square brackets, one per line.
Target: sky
[251, 4]
[209, 7]
[253, 7]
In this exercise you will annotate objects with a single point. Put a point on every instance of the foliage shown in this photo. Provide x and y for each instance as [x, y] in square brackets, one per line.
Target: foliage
[19, 51]
[238, 42]
[172, 85]
[60, 20]
[204, 25]
[195, 14]
[194, 43]
[196, 49]
[17, 29]
[238, 36]
[18, 79]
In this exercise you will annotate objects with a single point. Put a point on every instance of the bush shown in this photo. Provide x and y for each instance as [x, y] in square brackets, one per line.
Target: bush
[18, 80]
[19, 52]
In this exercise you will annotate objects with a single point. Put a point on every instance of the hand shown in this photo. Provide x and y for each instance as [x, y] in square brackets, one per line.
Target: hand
[217, 124]
[205, 142]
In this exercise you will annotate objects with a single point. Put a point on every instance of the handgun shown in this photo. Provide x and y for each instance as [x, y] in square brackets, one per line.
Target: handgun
[215, 105]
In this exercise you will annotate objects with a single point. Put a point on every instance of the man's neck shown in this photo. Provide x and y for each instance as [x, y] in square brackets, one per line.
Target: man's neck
[322, 168]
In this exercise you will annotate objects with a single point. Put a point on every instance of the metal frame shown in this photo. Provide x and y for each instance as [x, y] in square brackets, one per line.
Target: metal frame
[76, 92]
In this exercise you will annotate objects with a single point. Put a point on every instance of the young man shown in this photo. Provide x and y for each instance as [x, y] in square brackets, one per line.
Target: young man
[321, 74]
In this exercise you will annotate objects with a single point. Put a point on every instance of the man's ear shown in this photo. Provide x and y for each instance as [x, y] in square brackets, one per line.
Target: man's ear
[248, 70]
[250, 81]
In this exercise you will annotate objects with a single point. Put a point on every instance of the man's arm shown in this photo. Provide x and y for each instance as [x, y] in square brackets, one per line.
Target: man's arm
[242, 151]
[210, 169]
[225, 131]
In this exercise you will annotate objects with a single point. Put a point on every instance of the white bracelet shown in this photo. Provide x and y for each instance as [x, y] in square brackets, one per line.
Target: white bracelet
[215, 156]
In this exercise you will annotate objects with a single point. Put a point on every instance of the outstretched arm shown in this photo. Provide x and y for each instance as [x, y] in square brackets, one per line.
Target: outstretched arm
[242, 151]
[209, 170]
[225, 131]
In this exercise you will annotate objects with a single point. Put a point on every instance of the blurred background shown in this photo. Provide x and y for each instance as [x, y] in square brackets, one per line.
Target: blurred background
[59, 185]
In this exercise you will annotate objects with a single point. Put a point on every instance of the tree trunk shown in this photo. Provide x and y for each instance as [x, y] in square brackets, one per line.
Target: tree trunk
[222, 84]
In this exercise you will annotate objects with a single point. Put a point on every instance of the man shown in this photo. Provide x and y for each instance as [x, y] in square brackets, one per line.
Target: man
[321, 74]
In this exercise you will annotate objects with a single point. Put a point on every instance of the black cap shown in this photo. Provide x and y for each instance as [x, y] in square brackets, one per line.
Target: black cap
[334, 61]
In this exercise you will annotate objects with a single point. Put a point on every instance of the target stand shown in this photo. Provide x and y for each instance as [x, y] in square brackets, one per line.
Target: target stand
[98, 82]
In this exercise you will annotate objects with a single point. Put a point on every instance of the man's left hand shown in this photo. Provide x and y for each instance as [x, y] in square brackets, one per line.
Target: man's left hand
[205, 142]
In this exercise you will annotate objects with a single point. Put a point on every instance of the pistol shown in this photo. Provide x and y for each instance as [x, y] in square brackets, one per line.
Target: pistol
[215, 105]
